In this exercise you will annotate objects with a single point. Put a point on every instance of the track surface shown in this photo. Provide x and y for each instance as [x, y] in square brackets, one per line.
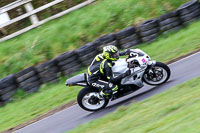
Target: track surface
[73, 116]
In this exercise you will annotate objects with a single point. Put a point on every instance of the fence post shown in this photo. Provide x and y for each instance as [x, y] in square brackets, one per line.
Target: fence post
[4, 17]
[29, 7]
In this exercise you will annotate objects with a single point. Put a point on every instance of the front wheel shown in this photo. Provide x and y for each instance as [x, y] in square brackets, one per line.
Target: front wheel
[90, 99]
[157, 75]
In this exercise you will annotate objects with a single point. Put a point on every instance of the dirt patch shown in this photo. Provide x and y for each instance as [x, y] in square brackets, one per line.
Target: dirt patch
[74, 102]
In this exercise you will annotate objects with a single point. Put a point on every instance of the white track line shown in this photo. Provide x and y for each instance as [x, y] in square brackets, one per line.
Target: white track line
[184, 58]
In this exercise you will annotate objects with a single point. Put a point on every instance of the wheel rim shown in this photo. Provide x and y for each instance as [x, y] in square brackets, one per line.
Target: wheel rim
[160, 75]
[91, 104]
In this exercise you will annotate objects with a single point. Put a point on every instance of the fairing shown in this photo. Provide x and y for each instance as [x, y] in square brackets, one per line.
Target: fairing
[77, 80]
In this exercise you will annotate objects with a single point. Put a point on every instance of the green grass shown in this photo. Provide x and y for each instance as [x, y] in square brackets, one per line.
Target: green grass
[22, 110]
[174, 111]
[77, 28]
[174, 45]
[25, 108]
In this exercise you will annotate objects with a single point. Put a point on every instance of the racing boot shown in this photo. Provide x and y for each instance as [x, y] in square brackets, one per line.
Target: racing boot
[106, 93]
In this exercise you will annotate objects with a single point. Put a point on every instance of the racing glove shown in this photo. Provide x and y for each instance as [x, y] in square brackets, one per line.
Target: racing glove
[126, 52]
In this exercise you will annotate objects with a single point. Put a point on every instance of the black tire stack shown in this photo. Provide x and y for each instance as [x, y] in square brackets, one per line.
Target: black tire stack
[7, 89]
[127, 37]
[189, 11]
[105, 40]
[169, 22]
[86, 53]
[68, 63]
[149, 30]
[48, 71]
[28, 80]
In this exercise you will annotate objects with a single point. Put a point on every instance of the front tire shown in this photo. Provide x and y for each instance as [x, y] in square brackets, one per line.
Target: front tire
[157, 75]
[90, 100]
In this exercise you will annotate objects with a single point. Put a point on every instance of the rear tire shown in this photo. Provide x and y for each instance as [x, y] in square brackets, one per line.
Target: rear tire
[86, 105]
[164, 73]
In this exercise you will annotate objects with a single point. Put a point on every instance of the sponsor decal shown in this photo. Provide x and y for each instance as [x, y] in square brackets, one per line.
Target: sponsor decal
[143, 60]
[98, 85]
[110, 85]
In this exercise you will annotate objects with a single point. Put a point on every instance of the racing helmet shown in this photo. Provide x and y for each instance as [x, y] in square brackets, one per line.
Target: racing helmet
[111, 53]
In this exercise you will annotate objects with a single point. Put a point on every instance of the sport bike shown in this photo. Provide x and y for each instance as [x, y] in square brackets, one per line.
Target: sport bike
[143, 70]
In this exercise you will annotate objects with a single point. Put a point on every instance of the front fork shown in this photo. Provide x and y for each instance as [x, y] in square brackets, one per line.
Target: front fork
[150, 66]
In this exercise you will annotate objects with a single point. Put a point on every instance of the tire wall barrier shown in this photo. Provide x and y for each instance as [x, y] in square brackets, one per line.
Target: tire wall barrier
[69, 62]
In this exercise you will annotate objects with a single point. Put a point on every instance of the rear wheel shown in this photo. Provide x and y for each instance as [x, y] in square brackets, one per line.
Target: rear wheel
[91, 100]
[157, 75]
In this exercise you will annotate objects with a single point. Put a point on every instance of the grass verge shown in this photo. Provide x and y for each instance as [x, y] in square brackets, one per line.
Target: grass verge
[174, 111]
[77, 28]
[51, 96]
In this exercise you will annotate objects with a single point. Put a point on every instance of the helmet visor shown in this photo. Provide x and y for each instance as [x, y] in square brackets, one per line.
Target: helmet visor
[116, 55]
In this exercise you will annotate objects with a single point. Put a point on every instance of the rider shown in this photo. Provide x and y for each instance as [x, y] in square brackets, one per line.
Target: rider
[100, 74]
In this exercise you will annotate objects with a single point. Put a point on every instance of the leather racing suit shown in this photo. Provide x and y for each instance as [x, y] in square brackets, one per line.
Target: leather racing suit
[100, 74]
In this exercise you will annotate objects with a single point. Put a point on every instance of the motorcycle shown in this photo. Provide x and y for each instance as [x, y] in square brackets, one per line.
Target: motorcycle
[143, 70]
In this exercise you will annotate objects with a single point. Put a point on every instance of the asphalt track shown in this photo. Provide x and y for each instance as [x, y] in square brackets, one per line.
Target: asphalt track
[63, 121]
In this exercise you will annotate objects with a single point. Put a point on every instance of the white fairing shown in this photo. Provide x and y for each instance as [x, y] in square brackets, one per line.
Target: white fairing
[121, 66]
